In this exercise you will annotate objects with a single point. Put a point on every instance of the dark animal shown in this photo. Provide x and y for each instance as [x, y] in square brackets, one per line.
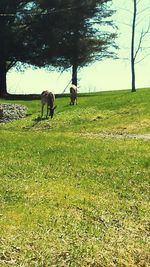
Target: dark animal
[48, 98]
[73, 94]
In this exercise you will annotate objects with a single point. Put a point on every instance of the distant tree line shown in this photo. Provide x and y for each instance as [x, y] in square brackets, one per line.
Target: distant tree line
[54, 33]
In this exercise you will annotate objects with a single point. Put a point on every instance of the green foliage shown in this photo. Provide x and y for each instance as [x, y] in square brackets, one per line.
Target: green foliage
[16, 21]
[73, 34]
[19, 42]
[70, 197]
[52, 33]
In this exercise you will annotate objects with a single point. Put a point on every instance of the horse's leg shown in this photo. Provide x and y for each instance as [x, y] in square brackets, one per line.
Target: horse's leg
[47, 111]
[42, 110]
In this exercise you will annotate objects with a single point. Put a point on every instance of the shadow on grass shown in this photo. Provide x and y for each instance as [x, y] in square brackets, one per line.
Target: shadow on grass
[36, 121]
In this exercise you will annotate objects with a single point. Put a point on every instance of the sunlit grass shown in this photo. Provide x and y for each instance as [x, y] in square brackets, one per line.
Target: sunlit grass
[71, 200]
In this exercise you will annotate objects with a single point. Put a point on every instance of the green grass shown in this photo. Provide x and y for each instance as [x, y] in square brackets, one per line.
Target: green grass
[72, 199]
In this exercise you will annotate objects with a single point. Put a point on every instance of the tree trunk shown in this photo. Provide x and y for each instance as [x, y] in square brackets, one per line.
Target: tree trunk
[74, 74]
[3, 86]
[133, 75]
[132, 49]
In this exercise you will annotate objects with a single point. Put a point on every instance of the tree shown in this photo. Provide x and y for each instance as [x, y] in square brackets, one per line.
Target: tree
[133, 45]
[77, 31]
[135, 50]
[57, 33]
[18, 43]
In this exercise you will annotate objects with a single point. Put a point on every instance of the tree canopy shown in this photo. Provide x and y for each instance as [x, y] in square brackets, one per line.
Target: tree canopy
[59, 33]
[17, 43]
[78, 31]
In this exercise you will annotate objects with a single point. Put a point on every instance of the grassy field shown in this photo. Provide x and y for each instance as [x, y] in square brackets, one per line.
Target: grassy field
[70, 198]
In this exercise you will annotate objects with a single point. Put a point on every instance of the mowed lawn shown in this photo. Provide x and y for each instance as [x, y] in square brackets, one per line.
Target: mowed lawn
[70, 197]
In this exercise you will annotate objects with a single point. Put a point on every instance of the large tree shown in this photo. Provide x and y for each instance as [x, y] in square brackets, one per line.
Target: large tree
[53, 32]
[78, 31]
[17, 41]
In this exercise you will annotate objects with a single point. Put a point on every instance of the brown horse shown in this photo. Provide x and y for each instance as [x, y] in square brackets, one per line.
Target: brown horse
[48, 98]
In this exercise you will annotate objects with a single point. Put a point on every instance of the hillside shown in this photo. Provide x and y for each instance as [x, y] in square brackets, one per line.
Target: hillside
[75, 189]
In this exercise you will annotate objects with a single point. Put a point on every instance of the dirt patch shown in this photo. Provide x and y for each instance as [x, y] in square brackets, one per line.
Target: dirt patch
[117, 135]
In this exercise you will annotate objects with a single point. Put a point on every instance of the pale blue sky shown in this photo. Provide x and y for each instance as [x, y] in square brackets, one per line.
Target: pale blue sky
[100, 76]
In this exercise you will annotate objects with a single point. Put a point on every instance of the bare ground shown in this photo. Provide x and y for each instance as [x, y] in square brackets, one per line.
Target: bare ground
[117, 135]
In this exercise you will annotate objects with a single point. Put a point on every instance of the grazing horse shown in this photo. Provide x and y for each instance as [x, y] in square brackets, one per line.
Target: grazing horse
[48, 98]
[73, 94]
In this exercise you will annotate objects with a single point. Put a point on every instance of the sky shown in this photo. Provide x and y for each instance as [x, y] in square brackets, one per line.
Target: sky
[104, 75]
